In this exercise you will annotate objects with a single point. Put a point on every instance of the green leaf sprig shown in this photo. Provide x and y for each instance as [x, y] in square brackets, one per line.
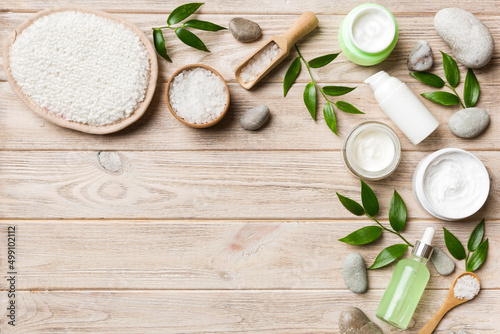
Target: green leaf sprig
[311, 89]
[186, 36]
[475, 246]
[452, 75]
[368, 234]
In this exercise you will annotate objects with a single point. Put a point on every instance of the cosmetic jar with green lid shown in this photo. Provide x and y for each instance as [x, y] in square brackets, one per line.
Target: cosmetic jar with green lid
[368, 34]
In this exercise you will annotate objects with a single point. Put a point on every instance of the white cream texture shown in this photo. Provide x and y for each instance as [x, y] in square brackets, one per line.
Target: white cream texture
[373, 150]
[373, 30]
[454, 184]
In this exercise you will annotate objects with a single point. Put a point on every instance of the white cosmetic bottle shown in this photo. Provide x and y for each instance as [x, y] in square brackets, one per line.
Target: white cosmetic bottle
[402, 106]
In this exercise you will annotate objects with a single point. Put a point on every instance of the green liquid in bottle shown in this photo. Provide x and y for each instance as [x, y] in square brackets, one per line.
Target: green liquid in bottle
[404, 291]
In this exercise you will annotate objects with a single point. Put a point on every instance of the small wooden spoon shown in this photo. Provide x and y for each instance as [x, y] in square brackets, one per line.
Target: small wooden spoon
[304, 25]
[450, 302]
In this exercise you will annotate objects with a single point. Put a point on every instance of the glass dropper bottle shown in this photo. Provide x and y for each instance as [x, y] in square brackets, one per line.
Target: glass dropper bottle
[407, 285]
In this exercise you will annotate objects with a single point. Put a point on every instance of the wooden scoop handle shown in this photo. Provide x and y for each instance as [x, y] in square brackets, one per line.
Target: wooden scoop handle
[304, 25]
[431, 325]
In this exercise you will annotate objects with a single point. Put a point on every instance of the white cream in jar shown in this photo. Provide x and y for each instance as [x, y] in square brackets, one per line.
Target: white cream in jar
[372, 29]
[374, 150]
[451, 184]
[371, 151]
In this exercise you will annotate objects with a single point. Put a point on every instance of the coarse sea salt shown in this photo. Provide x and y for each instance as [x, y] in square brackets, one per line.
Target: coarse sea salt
[81, 67]
[467, 287]
[258, 63]
[197, 95]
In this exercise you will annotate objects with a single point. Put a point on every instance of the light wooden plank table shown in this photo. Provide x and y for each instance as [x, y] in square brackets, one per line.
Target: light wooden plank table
[223, 230]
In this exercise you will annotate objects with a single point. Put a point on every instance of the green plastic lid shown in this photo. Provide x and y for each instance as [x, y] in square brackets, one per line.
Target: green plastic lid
[368, 34]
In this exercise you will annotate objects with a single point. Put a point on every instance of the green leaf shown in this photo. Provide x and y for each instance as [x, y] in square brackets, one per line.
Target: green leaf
[323, 60]
[347, 107]
[188, 38]
[454, 245]
[291, 74]
[369, 199]
[330, 117]
[428, 79]
[443, 98]
[182, 12]
[477, 259]
[363, 236]
[471, 89]
[476, 237]
[310, 99]
[389, 255]
[351, 205]
[451, 71]
[397, 212]
[337, 90]
[159, 42]
[203, 25]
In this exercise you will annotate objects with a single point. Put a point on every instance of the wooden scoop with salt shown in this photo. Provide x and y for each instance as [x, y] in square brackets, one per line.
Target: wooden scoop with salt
[450, 302]
[304, 25]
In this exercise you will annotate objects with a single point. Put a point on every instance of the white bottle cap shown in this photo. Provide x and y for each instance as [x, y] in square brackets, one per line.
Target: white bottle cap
[423, 247]
[428, 236]
[382, 84]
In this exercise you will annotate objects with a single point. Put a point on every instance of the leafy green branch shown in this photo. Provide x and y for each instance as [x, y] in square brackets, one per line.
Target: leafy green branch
[187, 37]
[452, 75]
[475, 246]
[368, 234]
[310, 91]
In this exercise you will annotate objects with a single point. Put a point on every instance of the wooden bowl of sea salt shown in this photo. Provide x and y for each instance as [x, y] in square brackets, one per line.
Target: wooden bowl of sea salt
[197, 95]
[82, 69]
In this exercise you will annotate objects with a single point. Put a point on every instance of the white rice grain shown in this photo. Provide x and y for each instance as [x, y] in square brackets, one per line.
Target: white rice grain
[81, 67]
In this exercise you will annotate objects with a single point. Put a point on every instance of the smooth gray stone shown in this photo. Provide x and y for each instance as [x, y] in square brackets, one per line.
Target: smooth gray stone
[254, 118]
[467, 36]
[459, 332]
[354, 273]
[421, 58]
[353, 321]
[442, 262]
[469, 123]
[244, 30]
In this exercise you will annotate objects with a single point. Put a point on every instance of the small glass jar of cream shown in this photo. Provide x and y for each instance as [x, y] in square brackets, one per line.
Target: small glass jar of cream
[368, 34]
[371, 151]
[451, 184]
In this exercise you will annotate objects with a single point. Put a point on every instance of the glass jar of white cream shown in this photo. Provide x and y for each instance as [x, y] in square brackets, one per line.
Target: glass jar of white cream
[451, 184]
[371, 151]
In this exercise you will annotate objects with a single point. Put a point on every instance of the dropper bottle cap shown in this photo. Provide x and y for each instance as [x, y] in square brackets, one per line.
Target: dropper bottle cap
[423, 247]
